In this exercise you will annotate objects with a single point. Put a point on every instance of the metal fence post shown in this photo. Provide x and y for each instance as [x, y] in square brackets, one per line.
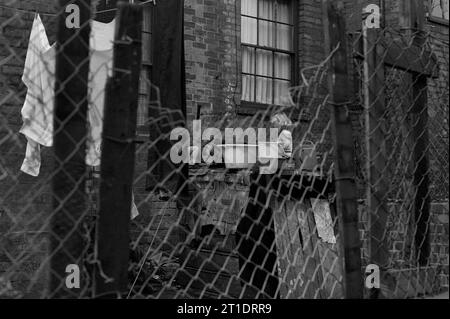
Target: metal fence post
[118, 154]
[375, 133]
[339, 87]
[69, 199]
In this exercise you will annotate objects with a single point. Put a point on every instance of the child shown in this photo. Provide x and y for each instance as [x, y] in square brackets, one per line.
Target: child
[281, 121]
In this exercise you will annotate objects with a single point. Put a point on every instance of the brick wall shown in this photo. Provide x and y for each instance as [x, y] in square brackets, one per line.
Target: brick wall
[25, 201]
[439, 233]
[212, 40]
[438, 102]
[400, 224]
[431, 279]
[211, 32]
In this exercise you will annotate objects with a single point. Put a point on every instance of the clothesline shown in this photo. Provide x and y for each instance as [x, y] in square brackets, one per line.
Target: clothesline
[27, 11]
[54, 14]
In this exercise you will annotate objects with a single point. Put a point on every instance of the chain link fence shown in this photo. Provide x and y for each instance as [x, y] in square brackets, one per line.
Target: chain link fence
[243, 234]
[400, 136]
[214, 230]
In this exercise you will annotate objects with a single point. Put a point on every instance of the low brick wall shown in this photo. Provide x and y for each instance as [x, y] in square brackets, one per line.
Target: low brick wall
[406, 278]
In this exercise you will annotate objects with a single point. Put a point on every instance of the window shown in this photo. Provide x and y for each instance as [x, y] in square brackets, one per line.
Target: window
[438, 10]
[146, 71]
[268, 51]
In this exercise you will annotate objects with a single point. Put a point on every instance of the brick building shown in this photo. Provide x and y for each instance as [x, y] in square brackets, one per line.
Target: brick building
[225, 89]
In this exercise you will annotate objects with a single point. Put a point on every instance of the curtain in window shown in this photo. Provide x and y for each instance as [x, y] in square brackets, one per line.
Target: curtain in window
[283, 61]
[265, 65]
[282, 70]
[249, 35]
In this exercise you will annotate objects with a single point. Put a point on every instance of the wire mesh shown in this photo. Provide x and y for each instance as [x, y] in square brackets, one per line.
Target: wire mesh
[224, 232]
[395, 137]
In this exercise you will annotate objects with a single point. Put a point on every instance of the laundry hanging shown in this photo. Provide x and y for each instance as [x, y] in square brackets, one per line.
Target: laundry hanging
[39, 77]
[168, 74]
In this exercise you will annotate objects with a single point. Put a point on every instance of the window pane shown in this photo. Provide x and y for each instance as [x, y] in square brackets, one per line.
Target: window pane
[248, 88]
[264, 62]
[146, 48]
[263, 90]
[248, 60]
[248, 30]
[267, 9]
[249, 7]
[285, 37]
[266, 34]
[147, 19]
[282, 95]
[282, 66]
[284, 11]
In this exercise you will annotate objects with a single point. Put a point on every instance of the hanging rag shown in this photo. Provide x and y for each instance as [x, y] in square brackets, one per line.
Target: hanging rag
[168, 75]
[39, 78]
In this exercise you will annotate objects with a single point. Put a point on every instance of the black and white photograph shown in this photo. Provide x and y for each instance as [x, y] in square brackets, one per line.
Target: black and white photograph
[227, 155]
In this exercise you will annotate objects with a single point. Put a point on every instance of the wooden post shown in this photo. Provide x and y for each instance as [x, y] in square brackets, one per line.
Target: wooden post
[69, 200]
[118, 154]
[375, 133]
[421, 166]
[412, 20]
[346, 191]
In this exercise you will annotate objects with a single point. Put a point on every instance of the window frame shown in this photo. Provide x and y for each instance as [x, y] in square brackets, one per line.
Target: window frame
[433, 18]
[142, 130]
[249, 107]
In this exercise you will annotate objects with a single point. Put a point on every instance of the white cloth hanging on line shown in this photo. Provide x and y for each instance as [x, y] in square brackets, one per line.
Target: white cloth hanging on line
[39, 78]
